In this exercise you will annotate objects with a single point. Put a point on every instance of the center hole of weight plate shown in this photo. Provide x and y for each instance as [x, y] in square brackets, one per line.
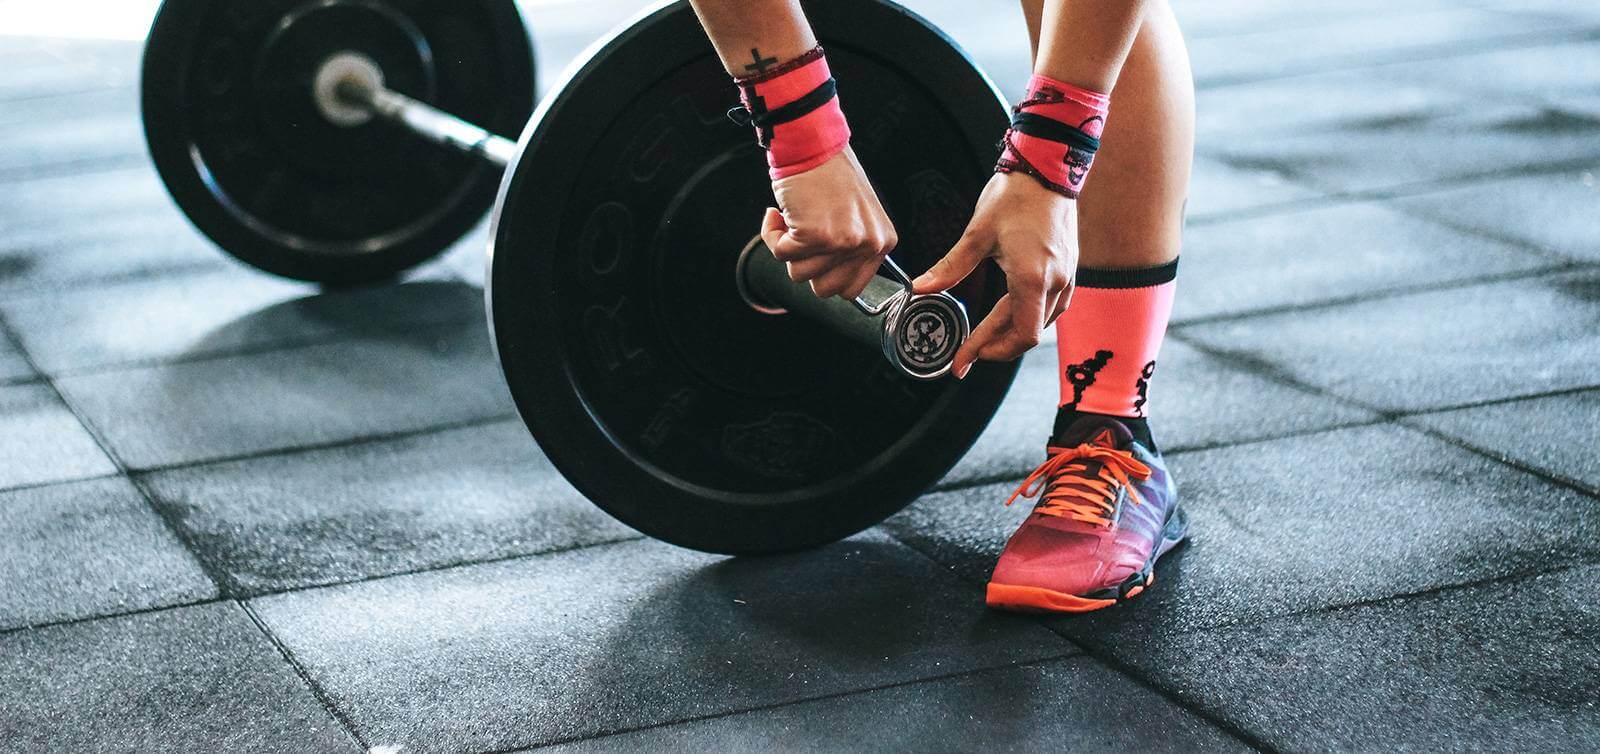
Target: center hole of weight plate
[338, 86]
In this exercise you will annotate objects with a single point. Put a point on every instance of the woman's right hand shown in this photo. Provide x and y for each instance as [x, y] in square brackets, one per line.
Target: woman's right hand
[832, 231]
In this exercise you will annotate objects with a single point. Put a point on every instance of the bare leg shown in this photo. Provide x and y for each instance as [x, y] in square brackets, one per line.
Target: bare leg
[1131, 210]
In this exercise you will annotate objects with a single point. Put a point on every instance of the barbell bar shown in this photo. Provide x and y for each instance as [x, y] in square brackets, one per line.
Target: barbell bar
[349, 90]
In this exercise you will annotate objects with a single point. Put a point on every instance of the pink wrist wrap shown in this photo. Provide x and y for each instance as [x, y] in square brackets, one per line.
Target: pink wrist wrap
[796, 114]
[1054, 134]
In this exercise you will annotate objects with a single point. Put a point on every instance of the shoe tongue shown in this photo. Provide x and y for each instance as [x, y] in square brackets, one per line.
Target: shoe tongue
[1094, 430]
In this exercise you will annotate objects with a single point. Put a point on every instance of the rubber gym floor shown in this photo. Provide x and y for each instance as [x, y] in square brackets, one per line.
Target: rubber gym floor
[239, 513]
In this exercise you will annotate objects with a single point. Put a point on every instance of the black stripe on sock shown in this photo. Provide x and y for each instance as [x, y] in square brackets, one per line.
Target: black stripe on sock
[1141, 277]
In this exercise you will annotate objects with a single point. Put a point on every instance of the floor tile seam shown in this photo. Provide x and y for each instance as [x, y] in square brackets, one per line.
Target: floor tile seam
[67, 482]
[317, 691]
[1331, 197]
[1269, 370]
[1107, 660]
[1252, 29]
[1492, 235]
[1432, 51]
[35, 98]
[445, 566]
[261, 349]
[247, 597]
[1436, 590]
[95, 434]
[70, 168]
[1438, 184]
[1492, 7]
[1553, 269]
[114, 615]
[1487, 402]
[1386, 12]
[34, 379]
[367, 439]
[1328, 197]
[47, 290]
[1074, 654]
[1549, 477]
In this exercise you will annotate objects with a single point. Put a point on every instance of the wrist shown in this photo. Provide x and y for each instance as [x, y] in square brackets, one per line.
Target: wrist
[794, 108]
[1025, 190]
[1054, 135]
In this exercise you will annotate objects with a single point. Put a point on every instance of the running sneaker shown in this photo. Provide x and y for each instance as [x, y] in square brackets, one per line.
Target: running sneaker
[1107, 511]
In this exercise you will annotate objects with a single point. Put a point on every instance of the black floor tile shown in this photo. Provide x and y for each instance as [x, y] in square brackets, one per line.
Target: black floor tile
[1302, 523]
[1328, 253]
[1558, 211]
[1511, 666]
[74, 230]
[1551, 74]
[42, 65]
[29, 149]
[1217, 189]
[563, 646]
[85, 549]
[1436, 349]
[1196, 400]
[58, 105]
[353, 512]
[1221, 18]
[1481, 141]
[41, 441]
[1559, 434]
[203, 410]
[1353, 40]
[1075, 704]
[65, 203]
[219, 312]
[199, 678]
[1320, 102]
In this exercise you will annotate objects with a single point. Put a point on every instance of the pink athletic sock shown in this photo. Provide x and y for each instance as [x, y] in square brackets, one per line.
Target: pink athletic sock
[1108, 339]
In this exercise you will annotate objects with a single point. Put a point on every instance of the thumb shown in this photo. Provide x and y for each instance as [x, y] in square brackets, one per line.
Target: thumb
[955, 266]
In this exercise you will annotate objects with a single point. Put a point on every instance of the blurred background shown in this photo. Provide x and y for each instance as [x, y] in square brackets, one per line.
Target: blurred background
[237, 510]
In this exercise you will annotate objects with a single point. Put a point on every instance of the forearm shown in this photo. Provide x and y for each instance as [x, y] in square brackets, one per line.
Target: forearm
[754, 35]
[1084, 42]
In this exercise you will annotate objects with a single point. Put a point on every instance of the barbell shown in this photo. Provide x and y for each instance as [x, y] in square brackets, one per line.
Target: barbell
[659, 355]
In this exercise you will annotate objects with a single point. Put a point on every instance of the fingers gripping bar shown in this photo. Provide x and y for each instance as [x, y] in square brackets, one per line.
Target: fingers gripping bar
[918, 333]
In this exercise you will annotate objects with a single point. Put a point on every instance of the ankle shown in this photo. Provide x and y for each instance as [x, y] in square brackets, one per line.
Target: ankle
[1138, 426]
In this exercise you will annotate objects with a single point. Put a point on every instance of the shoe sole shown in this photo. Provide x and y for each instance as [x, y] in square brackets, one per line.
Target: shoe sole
[1034, 599]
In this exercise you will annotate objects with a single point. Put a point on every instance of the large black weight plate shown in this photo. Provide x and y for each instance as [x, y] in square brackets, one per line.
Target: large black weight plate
[646, 380]
[241, 146]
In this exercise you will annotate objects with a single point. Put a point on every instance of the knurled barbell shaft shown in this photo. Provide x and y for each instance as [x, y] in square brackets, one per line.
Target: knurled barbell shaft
[428, 121]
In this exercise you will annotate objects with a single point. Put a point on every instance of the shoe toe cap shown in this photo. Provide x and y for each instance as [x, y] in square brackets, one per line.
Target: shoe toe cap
[1066, 562]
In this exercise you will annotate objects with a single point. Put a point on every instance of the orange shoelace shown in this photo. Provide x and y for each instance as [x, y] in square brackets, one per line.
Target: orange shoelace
[1081, 497]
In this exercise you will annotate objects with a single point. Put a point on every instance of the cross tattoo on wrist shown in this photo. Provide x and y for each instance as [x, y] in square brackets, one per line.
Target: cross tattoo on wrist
[760, 64]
